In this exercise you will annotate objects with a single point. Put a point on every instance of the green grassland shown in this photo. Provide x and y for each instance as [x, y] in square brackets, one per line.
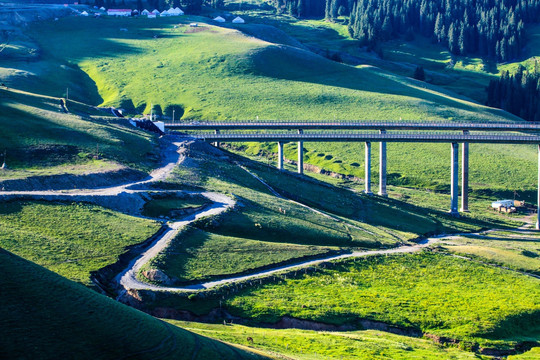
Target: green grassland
[198, 255]
[45, 316]
[259, 215]
[70, 239]
[231, 243]
[39, 139]
[212, 72]
[166, 207]
[520, 251]
[311, 345]
[437, 294]
[533, 354]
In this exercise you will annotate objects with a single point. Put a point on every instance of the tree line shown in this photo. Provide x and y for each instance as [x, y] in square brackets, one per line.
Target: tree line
[489, 28]
[518, 94]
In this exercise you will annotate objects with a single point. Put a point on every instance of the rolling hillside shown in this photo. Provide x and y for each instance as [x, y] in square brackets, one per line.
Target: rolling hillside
[40, 138]
[210, 72]
[44, 316]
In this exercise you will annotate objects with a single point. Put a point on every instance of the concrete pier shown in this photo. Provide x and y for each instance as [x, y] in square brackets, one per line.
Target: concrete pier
[454, 188]
[368, 168]
[465, 175]
[300, 154]
[216, 144]
[382, 166]
[280, 155]
[538, 200]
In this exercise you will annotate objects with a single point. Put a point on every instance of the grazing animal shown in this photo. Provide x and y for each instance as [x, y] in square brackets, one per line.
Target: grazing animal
[250, 340]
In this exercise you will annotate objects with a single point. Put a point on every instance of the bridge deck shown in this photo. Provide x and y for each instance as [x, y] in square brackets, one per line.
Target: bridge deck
[370, 137]
[357, 125]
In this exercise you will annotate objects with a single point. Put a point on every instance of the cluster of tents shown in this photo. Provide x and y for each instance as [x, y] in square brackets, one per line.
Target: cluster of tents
[236, 20]
[171, 12]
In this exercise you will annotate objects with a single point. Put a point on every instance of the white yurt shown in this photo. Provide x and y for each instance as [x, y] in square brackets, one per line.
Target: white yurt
[238, 20]
[84, 13]
[155, 11]
[102, 8]
[145, 12]
[179, 11]
[219, 19]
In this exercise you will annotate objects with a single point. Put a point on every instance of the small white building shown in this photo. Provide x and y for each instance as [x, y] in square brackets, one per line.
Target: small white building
[102, 8]
[502, 203]
[145, 12]
[178, 11]
[155, 12]
[119, 12]
[238, 20]
[219, 19]
[84, 13]
[151, 16]
[164, 13]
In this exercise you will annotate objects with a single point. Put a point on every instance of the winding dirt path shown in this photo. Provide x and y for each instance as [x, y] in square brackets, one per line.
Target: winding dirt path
[173, 156]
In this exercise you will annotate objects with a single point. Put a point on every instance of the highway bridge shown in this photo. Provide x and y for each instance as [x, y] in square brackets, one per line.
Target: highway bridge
[454, 133]
[354, 125]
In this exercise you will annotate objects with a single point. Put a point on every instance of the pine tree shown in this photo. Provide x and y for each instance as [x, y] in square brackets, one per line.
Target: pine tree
[419, 73]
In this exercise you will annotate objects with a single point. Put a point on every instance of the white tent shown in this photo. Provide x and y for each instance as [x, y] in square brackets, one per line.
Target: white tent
[164, 13]
[145, 12]
[102, 8]
[238, 20]
[84, 13]
[179, 11]
[155, 11]
[219, 19]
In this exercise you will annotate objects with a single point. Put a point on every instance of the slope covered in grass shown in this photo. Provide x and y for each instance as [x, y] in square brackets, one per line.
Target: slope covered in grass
[211, 73]
[39, 138]
[45, 316]
[197, 256]
[434, 293]
[154, 62]
[70, 239]
[516, 250]
[311, 345]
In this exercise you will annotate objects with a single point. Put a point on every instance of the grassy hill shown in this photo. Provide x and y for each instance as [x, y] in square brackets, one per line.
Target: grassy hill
[41, 139]
[335, 345]
[211, 72]
[438, 294]
[45, 316]
[72, 240]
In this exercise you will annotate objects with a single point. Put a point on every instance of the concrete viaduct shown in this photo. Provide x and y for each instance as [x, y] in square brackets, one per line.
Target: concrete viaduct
[454, 133]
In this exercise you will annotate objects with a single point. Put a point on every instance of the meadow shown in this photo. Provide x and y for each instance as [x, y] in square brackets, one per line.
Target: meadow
[516, 250]
[433, 293]
[166, 206]
[247, 78]
[70, 239]
[312, 345]
[39, 139]
[50, 317]
[197, 256]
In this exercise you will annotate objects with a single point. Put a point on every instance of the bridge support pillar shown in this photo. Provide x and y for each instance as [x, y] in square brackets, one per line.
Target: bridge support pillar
[280, 155]
[538, 200]
[454, 188]
[465, 175]
[368, 168]
[382, 167]
[300, 154]
[216, 144]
